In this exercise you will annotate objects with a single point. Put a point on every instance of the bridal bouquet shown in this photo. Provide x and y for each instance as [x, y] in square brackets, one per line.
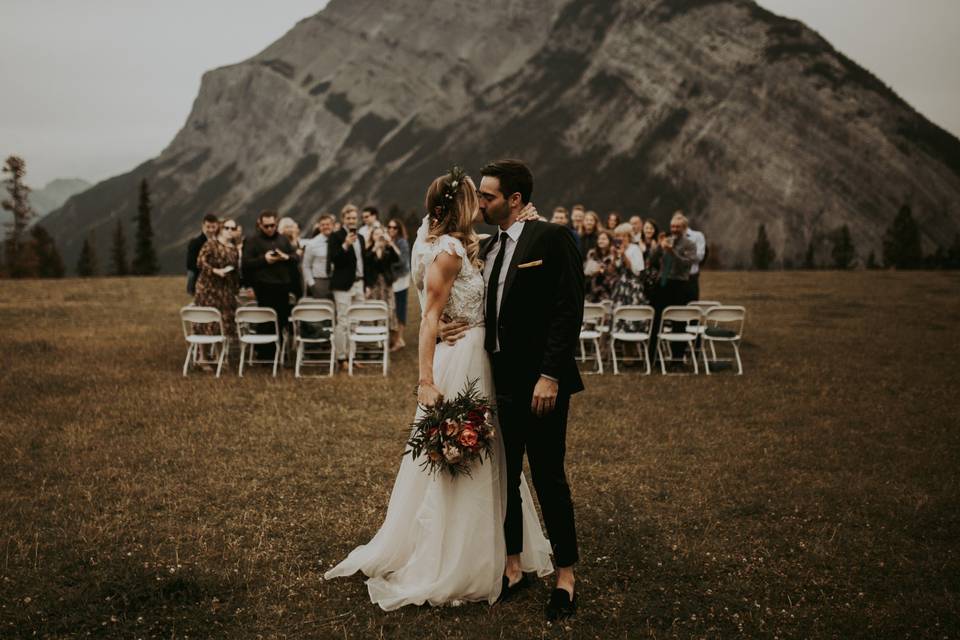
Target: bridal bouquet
[454, 433]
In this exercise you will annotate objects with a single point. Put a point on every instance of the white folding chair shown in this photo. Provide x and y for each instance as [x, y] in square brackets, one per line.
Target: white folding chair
[591, 331]
[250, 340]
[667, 336]
[319, 317]
[369, 324]
[192, 315]
[640, 314]
[703, 304]
[723, 324]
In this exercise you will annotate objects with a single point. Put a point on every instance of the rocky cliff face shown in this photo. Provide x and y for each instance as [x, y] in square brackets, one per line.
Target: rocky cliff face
[644, 106]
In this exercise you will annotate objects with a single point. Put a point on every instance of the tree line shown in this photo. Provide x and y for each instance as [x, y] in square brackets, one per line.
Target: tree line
[901, 249]
[30, 251]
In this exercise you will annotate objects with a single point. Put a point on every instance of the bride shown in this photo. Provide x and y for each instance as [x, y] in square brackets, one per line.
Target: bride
[442, 540]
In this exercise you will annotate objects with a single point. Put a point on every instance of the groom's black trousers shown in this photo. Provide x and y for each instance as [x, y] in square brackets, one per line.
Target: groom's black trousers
[544, 441]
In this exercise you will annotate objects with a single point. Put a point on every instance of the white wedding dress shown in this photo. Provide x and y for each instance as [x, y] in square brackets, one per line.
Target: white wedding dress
[442, 539]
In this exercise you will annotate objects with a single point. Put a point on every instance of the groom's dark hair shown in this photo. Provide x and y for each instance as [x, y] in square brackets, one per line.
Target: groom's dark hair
[514, 177]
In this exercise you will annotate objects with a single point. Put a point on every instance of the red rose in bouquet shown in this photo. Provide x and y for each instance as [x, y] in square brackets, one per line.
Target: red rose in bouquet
[469, 437]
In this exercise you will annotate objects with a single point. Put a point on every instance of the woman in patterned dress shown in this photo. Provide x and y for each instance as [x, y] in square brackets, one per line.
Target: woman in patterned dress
[218, 282]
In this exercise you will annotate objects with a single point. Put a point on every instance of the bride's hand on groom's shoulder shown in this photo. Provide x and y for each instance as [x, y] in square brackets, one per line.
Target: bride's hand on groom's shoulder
[452, 330]
[529, 212]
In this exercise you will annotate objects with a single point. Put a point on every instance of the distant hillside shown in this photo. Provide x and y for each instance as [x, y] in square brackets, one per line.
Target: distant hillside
[49, 197]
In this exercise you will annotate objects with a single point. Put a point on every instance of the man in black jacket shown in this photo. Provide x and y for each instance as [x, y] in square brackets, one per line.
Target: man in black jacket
[345, 256]
[534, 309]
[270, 267]
[210, 229]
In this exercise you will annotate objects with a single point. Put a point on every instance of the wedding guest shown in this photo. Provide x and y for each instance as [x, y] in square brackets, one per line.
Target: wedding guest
[271, 267]
[674, 256]
[600, 269]
[650, 234]
[289, 228]
[577, 212]
[401, 278]
[218, 280]
[315, 260]
[629, 265]
[613, 220]
[636, 230]
[700, 241]
[560, 216]
[371, 219]
[208, 231]
[379, 259]
[345, 257]
[591, 227]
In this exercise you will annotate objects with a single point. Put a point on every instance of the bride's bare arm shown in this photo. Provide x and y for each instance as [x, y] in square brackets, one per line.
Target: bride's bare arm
[438, 283]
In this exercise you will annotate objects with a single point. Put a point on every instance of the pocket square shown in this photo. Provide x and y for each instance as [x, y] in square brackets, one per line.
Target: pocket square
[527, 265]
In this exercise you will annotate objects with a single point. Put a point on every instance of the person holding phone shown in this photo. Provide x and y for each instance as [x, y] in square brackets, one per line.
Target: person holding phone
[271, 266]
[218, 280]
[345, 257]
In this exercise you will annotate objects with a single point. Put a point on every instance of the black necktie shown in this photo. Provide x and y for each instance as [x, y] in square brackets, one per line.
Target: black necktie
[490, 338]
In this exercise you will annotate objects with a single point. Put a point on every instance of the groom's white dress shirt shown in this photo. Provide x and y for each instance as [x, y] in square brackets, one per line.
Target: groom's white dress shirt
[513, 236]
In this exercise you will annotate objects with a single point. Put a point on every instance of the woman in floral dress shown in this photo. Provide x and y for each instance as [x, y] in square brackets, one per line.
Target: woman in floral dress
[218, 282]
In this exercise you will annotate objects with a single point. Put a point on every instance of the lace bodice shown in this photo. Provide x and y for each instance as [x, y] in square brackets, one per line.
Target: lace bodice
[466, 296]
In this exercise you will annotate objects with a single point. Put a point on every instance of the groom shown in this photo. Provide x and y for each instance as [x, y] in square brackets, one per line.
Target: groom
[534, 308]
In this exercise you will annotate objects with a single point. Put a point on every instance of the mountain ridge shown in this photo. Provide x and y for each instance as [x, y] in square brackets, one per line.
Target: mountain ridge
[718, 107]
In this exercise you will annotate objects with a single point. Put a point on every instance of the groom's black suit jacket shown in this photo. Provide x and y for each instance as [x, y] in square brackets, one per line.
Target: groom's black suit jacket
[541, 310]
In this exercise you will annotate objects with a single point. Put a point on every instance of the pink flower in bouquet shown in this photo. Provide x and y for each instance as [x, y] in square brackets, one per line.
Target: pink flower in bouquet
[450, 427]
[451, 453]
[468, 437]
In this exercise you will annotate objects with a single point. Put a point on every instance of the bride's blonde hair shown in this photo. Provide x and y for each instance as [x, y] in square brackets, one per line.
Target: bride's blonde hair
[452, 205]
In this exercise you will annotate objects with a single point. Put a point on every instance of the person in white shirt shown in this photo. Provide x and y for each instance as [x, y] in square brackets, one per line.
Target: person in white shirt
[316, 273]
[371, 218]
[700, 241]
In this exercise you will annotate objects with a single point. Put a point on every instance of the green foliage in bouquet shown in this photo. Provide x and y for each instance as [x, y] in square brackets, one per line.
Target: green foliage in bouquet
[454, 434]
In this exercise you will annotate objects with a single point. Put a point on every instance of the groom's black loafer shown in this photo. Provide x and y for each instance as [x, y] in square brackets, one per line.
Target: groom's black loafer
[561, 605]
[508, 591]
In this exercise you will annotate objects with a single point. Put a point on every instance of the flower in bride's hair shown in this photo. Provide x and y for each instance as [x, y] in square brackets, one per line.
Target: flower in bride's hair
[468, 437]
[450, 427]
[452, 453]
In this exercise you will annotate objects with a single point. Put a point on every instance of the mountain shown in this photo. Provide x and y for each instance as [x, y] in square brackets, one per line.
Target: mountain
[50, 197]
[55, 193]
[718, 107]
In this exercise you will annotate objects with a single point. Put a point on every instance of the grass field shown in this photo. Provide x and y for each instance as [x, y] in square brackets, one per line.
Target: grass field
[816, 496]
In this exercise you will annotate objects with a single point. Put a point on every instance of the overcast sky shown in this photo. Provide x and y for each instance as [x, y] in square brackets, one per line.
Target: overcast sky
[91, 88]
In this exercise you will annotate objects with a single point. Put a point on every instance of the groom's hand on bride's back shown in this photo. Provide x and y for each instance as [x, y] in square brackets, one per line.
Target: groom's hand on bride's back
[452, 330]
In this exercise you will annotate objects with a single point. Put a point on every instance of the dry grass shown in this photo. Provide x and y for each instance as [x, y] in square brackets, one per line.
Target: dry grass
[817, 496]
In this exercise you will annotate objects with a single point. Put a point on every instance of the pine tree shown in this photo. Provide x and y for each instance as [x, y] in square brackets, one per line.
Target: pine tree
[145, 258]
[49, 262]
[843, 250]
[87, 263]
[902, 248]
[763, 253]
[872, 261]
[118, 252]
[20, 261]
[810, 259]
